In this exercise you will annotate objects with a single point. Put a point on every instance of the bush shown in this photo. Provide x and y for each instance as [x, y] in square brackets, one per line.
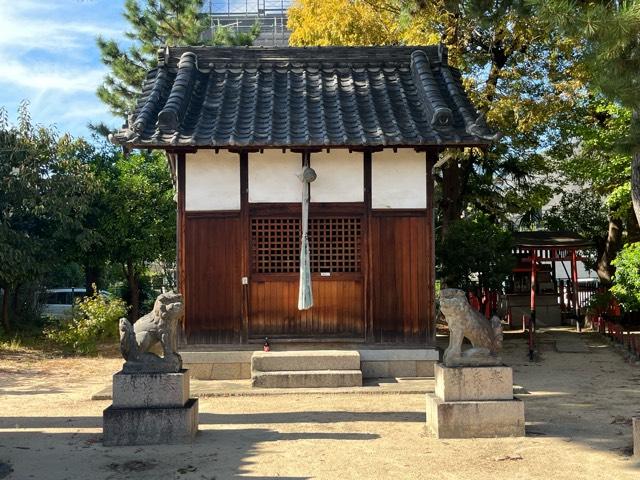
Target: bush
[95, 320]
[626, 281]
[475, 251]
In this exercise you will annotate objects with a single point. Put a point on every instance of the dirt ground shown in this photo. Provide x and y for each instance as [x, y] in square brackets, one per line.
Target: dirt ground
[578, 426]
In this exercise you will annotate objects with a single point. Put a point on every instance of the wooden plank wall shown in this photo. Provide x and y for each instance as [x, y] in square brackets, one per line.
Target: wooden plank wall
[391, 301]
[337, 310]
[213, 292]
[400, 254]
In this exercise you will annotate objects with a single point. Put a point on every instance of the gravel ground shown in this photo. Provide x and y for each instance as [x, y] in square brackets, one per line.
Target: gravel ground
[578, 426]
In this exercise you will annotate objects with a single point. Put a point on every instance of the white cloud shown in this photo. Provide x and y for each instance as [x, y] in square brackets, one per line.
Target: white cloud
[48, 55]
[49, 76]
[22, 30]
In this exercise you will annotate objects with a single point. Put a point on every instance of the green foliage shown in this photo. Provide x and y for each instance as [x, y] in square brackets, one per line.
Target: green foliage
[599, 302]
[45, 190]
[626, 281]
[588, 145]
[476, 251]
[154, 24]
[583, 213]
[95, 320]
[228, 36]
[140, 223]
[134, 217]
[518, 72]
[610, 35]
[580, 212]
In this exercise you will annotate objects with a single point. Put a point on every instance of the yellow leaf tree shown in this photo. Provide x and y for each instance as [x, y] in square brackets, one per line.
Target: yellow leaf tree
[518, 72]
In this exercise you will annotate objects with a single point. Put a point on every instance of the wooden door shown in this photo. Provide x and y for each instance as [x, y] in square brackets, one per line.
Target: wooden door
[336, 244]
[213, 295]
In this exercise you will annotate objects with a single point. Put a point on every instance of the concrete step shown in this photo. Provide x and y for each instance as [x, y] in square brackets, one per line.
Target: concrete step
[307, 379]
[301, 360]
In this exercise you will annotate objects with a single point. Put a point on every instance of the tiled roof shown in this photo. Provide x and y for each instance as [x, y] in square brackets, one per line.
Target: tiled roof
[544, 238]
[303, 97]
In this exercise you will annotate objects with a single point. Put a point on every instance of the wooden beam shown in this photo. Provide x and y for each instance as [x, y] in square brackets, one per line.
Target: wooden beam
[180, 238]
[367, 258]
[245, 233]
[431, 159]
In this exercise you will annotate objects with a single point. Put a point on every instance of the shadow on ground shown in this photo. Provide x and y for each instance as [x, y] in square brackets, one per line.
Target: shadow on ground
[215, 454]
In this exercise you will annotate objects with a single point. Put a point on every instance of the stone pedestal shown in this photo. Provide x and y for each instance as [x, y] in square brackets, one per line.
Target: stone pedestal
[473, 402]
[150, 408]
[636, 437]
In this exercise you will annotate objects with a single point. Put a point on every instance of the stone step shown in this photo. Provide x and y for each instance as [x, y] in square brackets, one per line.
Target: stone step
[307, 379]
[301, 360]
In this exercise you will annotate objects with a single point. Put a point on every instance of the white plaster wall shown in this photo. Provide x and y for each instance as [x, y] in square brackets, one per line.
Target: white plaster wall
[273, 177]
[399, 180]
[340, 176]
[212, 181]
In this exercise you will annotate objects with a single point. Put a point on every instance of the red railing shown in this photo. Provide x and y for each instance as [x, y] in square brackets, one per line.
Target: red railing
[617, 333]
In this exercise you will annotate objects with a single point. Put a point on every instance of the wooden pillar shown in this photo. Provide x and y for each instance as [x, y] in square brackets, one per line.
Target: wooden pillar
[574, 281]
[367, 259]
[245, 259]
[180, 238]
[432, 159]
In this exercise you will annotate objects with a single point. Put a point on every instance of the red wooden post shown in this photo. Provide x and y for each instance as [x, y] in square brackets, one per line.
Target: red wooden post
[574, 280]
[534, 272]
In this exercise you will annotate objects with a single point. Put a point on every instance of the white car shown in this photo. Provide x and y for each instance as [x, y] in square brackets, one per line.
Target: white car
[59, 302]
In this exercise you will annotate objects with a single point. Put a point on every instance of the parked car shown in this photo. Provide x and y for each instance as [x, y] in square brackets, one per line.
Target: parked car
[59, 302]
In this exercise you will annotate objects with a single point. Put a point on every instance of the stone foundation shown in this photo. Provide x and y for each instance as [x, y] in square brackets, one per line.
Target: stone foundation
[135, 390]
[474, 402]
[374, 363]
[150, 408]
[150, 426]
[473, 383]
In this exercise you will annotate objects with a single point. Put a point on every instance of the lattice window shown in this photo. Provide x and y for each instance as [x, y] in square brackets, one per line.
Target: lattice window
[334, 243]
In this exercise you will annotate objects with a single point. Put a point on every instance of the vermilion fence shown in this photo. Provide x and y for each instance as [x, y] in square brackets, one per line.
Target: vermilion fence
[617, 333]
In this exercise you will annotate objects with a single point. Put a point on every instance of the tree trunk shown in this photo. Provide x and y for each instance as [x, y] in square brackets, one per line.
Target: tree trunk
[451, 202]
[91, 277]
[15, 303]
[5, 310]
[633, 228]
[612, 247]
[134, 291]
[455, 177]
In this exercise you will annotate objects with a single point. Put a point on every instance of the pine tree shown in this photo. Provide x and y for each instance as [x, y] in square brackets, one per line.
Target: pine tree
[153, 25]
[610, 34]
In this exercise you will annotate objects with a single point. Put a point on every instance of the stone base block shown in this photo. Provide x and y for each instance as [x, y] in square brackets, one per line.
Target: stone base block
[473, 419]
[307, 379]
[636, 437]
[455, 384]
[139, 390]
[150, 426]
[305, 360]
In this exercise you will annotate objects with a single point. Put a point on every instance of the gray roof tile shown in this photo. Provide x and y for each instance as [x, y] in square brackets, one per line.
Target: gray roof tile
[303, 97]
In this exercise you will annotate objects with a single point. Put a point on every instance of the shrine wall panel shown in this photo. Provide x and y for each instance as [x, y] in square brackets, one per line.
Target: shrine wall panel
[273, 177]
[398, 179]
[213, 290]
[401, 297]
[212, 181]
[340, 176]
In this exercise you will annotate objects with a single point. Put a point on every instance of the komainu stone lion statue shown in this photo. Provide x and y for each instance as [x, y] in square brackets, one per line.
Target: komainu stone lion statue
[464, 321]
[158, 326]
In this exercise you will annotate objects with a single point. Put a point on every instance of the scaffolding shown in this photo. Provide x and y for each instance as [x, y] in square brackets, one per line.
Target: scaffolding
[241, 15]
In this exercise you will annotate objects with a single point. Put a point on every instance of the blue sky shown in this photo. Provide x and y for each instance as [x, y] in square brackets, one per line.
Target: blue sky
[48, 55]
